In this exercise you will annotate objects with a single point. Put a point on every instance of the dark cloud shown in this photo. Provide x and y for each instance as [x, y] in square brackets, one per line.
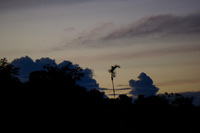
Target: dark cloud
[99, 30]
[27, 4]
[89, 38]
[123, 89]
[143, 86]
[8, 3]
[87, 81]
[195, 95]
[160, 24]
[27, 65]
[103, 89]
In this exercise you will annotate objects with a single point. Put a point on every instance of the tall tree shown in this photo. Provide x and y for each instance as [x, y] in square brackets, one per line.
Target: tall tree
[113, 74]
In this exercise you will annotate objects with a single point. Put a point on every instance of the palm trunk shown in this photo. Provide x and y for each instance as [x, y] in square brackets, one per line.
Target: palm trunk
[113, 86]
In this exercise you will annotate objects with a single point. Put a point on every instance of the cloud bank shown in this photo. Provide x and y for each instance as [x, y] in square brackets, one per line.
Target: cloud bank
[158, 26]
[143, 86]
[164, 24]
[27, 65]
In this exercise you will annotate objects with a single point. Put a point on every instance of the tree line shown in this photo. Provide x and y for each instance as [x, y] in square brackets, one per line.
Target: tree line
[51, 101]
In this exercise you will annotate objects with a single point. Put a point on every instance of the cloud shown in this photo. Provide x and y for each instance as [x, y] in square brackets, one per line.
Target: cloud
[87, 81]
[103, 89]
[69, 29]
[99, 30]
[12, 3]
[177, 82]
[89, 38]
[159, 26]
[85, 39]
[143, 86]
[164, 24]
[163, 51]
[147, 53]
[27, 65]
[195, 95]
[123, 89]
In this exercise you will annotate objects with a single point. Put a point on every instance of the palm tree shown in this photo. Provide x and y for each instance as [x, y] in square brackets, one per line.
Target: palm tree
[113, 74]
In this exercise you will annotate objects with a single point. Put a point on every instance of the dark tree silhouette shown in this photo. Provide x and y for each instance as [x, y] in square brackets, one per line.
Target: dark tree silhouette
[55, 80]
[8, 75]
[178, 100]
[113, 74]
[7, 70]
[52, 102]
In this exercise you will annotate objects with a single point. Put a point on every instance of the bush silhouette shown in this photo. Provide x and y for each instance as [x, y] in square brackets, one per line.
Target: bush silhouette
[8, 77]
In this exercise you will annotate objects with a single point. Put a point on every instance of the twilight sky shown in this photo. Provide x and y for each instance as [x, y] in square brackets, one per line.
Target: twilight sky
[158, 37]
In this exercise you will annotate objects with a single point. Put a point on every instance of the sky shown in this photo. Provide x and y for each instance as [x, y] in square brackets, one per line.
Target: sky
[156, 38]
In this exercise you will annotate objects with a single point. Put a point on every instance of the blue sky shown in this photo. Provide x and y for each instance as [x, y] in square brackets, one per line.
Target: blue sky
[158, 37]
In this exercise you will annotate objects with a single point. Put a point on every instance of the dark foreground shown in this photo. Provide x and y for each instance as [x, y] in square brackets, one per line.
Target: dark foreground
[90, 112]
[51, 102]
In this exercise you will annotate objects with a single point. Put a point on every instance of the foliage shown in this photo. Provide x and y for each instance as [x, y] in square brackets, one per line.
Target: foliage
[7, 70]
[112, 70]
[113, 74]
[8, 76]
[52, 102]
[55, 75]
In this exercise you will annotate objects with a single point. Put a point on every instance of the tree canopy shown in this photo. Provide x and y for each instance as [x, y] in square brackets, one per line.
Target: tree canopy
[51, 101]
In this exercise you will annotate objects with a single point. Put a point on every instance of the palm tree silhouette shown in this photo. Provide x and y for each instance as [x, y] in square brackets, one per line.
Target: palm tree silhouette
[113, 74]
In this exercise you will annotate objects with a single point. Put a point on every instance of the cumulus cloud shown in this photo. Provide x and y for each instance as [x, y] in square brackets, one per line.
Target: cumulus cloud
[143, 86]
[164, 24]
[27, 65]
[87, 81]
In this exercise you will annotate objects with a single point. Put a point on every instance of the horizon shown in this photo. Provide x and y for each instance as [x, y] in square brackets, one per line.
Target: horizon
[142, 85]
